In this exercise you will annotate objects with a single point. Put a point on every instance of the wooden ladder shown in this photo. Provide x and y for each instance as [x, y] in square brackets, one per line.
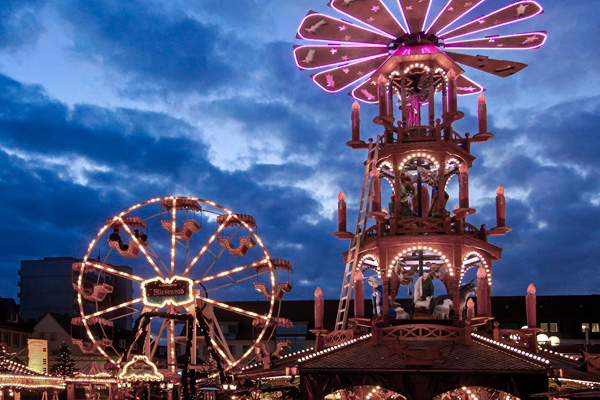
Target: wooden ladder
[359, 233]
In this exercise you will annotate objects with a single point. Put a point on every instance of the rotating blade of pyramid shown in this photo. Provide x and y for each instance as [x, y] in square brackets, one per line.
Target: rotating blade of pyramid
[316, 26]
[466, 86]
[531, 40]
[367, 91]
[370, 12]
[336, 79]
[415, 12]
[502, 68]
[451, 12]
[507, 15]
[312, 57]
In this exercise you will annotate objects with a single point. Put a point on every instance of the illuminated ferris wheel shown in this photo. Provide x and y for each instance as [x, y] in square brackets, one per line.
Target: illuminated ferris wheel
[187, 258]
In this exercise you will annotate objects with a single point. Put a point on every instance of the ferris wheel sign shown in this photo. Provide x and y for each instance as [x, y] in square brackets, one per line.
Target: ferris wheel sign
[159, 292]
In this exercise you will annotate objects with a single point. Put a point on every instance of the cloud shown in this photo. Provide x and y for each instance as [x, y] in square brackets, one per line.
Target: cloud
[158, 48]
[19, 23]
[550, 174]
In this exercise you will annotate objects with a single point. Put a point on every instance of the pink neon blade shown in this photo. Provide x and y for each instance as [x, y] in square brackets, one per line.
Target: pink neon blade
[466, 86]
[451, 12]
[520, 41]
[313, 57]
[370, 12]
[320, 27]
[336, 79]
[502, 68]
[367, 91]
[416, 12]
[507, 15]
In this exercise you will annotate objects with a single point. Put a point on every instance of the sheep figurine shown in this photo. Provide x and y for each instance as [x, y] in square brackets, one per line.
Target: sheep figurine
[401, 314]
[443, 310]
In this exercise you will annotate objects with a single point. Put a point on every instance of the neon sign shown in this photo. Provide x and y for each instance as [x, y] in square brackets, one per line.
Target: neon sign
[158, 292]
[141, 368]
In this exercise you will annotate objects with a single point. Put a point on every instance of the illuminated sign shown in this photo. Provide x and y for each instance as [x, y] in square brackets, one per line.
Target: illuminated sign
[141, 369]
[38, 354]
[159, 292]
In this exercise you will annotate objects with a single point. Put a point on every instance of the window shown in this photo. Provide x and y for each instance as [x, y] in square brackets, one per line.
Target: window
[232, 349]
[42, 335]
[544, 326]
[24, 340]
[553, 327]
[6, 338]
[122, 343]
[595, 327]
[15, 341]
[53, 336]
[296, 335]
[585, 326]
[230, 330]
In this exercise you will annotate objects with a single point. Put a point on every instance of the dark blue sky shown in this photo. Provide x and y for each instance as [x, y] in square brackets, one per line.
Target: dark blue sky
[105, 104]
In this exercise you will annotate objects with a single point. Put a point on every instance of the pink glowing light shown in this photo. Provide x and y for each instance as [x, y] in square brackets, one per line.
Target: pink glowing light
[490, 17]
[332, 71]
[389, 34]
[407, 28]
[415, 50]
[451, 22]
[426, 15]
[344, 60]
[361, 87]
[464, 88]
[383, 39]
[492, 39]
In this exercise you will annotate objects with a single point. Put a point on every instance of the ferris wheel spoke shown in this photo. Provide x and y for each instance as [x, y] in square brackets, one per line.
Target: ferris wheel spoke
[219, 342]
[232, 271]
[114, 308]
[236, 310]
[163, 325]
[208, 243]
[142, 248]
[162, 264]
[106, 268]
[208, 269]
[135, 311]
[173, 237]
[233, 282]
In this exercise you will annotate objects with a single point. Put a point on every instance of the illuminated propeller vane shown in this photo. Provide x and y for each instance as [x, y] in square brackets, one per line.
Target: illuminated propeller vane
[357, 56]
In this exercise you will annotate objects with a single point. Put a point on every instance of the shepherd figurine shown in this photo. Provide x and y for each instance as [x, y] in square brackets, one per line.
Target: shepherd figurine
[377, 296]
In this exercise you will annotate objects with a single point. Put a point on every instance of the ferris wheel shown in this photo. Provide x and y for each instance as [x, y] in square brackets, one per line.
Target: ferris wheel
[186, 258]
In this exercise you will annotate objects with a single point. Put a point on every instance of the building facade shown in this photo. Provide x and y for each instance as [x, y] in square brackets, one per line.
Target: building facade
[47, 285]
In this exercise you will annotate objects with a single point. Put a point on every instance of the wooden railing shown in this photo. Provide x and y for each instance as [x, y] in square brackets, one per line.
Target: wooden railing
[418, 332]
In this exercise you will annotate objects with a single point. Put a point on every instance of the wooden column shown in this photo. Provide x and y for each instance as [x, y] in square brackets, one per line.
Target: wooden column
[482, 292]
